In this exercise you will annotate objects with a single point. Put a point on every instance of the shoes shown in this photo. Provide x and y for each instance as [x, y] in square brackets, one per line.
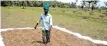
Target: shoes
[46, 42]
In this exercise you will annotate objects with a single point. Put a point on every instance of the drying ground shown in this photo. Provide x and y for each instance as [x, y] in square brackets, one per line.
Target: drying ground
[32, 37]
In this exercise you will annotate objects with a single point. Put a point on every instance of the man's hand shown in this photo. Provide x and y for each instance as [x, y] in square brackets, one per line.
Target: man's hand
[50, 28]
[36, 25]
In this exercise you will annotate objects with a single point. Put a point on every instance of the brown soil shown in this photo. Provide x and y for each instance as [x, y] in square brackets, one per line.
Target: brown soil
[32, 37]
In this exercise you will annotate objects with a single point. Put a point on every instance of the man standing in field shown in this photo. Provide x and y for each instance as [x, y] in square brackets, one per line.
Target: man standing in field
[46, 24]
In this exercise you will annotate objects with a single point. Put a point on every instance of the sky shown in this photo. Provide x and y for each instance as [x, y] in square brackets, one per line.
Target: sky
[101, 3]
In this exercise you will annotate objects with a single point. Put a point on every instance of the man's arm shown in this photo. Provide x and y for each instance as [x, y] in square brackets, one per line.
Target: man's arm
[51, 23]
[38, 22]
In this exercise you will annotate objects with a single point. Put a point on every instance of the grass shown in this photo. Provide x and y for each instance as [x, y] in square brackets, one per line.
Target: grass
[77, 20]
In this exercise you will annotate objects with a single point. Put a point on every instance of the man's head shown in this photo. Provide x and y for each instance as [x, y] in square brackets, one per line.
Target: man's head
[46, 8]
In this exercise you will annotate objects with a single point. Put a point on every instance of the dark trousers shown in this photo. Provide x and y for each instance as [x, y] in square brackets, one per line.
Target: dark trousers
[46, 36]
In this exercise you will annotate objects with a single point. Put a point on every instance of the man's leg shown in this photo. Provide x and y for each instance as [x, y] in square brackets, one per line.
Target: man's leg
[44, 36]
[48, 35]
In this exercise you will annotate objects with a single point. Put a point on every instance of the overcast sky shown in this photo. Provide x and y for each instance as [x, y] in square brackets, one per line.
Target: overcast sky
[78, 0]
[101, 3]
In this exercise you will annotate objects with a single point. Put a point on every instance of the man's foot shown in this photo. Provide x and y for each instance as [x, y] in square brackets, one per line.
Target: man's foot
[44, 42]
[48, 41]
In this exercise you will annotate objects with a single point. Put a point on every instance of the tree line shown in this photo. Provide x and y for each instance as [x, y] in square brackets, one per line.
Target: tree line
[35, 3]
[84, 4]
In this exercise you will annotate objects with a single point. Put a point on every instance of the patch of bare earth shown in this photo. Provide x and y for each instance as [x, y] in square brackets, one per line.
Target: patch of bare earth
[33, 37]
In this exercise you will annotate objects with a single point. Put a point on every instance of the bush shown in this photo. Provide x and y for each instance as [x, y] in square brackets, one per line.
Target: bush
[91, 13]
[102, 16]
[85, 17]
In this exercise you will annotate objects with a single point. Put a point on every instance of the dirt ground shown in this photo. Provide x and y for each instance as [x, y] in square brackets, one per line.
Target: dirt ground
[33, 37]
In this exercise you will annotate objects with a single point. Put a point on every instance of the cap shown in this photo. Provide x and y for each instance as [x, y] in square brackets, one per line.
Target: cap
[46, 6]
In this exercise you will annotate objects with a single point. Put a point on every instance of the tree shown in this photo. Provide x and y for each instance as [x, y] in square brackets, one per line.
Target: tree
[105, 3]
[6, 3]
[83, 4]
[92, 3]
[73, 5]
[24, 3]
[76, 2]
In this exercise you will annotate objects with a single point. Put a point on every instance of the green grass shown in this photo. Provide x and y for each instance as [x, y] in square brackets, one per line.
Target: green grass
[76, 20]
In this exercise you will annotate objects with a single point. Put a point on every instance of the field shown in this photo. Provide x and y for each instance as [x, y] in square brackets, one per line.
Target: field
[89, 23]
[32, 37]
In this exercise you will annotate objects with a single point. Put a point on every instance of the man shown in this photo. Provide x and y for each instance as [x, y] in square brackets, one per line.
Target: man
[46, 24]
